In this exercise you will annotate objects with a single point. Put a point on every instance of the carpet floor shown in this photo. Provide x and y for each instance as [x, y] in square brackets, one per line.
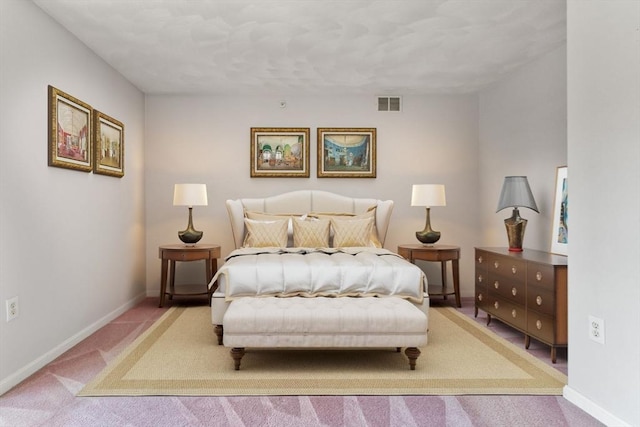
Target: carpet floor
[48, 398]
[179, 355]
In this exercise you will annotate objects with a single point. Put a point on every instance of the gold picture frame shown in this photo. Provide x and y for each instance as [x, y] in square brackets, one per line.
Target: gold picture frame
[280, 152]
[346, 153]
[108, 147]
[70, 134]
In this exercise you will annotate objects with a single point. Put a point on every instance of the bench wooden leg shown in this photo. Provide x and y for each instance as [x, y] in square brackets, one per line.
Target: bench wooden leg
[219, 330]
[237, 353]
[412, 353]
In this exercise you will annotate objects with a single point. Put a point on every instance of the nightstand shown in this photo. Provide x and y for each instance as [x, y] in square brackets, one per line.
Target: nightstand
[441, 254]
[169, 254]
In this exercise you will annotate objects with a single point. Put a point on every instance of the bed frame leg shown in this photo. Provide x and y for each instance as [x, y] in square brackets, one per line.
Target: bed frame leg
[412, 353]
[237, 353]
[219, 330]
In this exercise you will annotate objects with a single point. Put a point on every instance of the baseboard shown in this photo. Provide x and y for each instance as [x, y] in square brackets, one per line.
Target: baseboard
[16, 378]
[591, 408]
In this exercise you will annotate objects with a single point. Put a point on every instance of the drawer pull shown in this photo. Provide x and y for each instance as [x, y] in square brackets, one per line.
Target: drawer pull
[479, 297]
[538, 324]
[496, 284]
[496, 305]
[539, 300]
[480, 278]
[514, 291]
[480, 259]
[514, 270]
[538, 276]
[514, 313]
[496, 264]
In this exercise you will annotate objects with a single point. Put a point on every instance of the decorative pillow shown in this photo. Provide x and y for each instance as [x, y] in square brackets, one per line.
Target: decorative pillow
[351, 232]
[370, 213]
[262, 234]
[264, 216]
[311, 234]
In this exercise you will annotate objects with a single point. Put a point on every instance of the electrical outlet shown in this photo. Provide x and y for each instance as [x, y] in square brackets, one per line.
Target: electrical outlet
[596, 329]
[12, 308]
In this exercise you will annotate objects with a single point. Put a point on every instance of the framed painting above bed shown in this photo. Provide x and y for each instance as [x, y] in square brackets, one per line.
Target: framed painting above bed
[280, 152]
[346, 152]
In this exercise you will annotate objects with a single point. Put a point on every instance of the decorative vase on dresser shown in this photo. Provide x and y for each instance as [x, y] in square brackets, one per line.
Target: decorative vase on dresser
[526, 290]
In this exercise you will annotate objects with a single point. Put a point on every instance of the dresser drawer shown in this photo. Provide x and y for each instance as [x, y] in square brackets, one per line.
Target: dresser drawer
[541, 299]
[508, 312]
[507, 288]
[482, 260]
[507, 267]
[482, 299]
[542, 327]
[541, 275]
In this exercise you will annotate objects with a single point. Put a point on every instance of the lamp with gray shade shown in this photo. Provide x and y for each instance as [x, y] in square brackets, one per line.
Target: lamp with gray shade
[428, 195]
[516, 193]
[190, 195]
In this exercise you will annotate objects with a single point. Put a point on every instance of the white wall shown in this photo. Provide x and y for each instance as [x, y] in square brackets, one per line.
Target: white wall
[523, 131]
[207, 139]
[604, 183]
[71, 243]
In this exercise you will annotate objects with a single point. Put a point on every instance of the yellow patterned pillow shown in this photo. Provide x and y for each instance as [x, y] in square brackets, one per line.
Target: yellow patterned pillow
[311, 234]
[370, 213]
[261, 234]
[265, 216]
[351, 232]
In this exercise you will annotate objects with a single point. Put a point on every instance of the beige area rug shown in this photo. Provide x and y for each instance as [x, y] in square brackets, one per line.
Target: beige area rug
[179, 355]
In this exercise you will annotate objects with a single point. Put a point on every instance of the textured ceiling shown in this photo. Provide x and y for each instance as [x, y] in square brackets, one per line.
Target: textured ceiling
[313, 46]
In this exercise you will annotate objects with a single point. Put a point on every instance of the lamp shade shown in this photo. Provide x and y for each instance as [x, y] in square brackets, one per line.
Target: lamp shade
[428, 195]
[516, 193]
[190, 195]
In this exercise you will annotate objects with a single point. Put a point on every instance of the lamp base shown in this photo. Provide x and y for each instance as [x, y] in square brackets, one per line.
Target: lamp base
[190, 236]
[428, 236]
[515, 226]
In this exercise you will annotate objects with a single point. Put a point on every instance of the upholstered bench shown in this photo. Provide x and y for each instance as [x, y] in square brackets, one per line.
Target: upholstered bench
[323, 322]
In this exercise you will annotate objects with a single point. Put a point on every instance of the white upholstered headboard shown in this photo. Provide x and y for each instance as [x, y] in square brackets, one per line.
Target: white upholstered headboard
[307, 201]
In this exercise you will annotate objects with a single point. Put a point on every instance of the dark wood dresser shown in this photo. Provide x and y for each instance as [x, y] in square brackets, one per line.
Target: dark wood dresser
[526, 290]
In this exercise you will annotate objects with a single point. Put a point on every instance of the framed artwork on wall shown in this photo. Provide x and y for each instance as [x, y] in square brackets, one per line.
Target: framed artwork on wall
[69, 132]
[280, 152]
[108, 145]
[560, 231]
[346, 152]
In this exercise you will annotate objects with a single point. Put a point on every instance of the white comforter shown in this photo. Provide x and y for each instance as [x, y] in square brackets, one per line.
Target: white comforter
[320, 272]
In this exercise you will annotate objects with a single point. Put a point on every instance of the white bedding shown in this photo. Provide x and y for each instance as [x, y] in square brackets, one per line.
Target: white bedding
[361, 271]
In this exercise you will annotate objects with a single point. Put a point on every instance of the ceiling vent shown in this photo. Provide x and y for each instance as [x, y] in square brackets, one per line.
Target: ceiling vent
[389, 103]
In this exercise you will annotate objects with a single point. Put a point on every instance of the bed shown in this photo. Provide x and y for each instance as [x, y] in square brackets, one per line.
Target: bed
[309, 269]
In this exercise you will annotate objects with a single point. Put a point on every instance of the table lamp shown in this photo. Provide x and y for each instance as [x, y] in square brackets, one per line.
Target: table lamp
[428, 195]
[190, 195]
[516, 193]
